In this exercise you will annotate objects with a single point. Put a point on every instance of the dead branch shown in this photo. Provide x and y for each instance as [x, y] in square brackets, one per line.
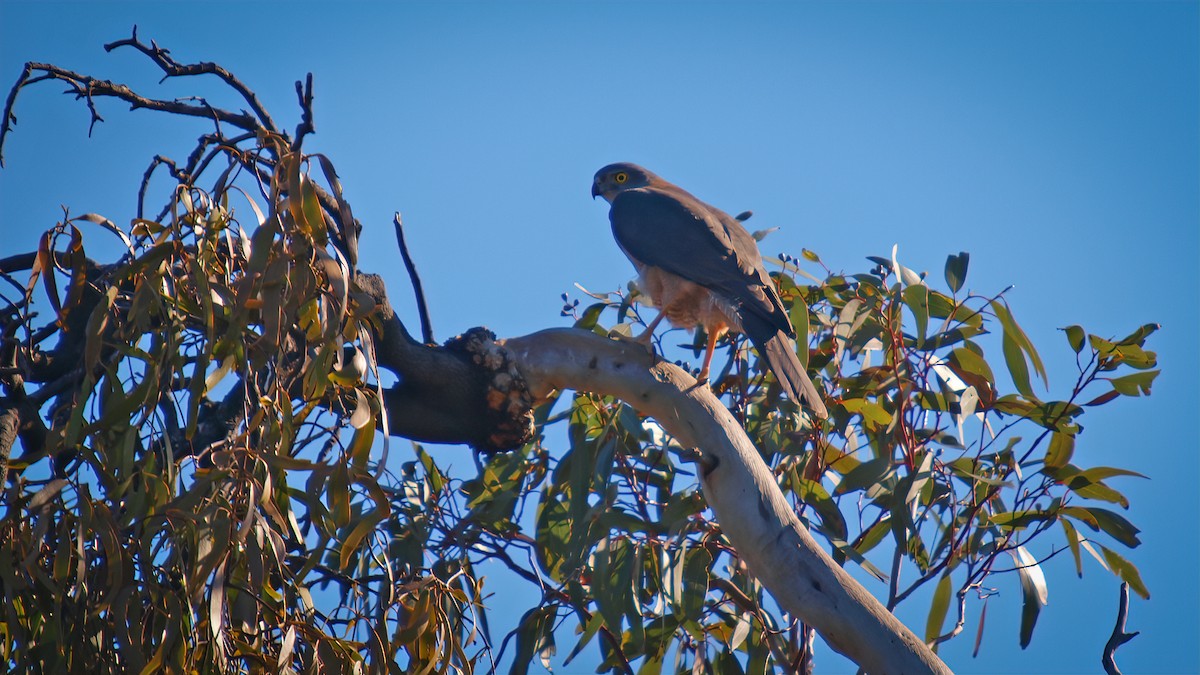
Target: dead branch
[418, 291]
[172, 68]
[304, 93]
[89, 88]
[1119, 636]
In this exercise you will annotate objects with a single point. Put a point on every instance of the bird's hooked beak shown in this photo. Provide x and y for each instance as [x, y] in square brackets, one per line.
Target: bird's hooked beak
[595, 189]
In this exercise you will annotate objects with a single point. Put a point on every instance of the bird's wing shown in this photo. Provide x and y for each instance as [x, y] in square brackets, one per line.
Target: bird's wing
[674, 231]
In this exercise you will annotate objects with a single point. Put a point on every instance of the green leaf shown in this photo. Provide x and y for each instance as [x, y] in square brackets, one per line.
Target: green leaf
[589, 632]
[917, 299]
[437, 479]
[874, 416]
[1012, 404]
[314, 217]
[338, 494]
[361, 442]
[1015, 358]
[1138, 337]
[1072, 537]
[967, 362]
[1098, 491]
[1113, 355]
[611, 569]
[938, 609]
[864, 475]
[365, 526]
[1075, 336]
[799, 316]
[1033, 592]
[1081, 514]
[535, 635]
[689, 581]
[1013, 332]
[740, 630]
[1057, 415]
[1075, 477]
[871, 538]
[1101, 472]
[1015, 520]
[1062, 447]
[814, 494]
[1116, 526]
[956, 270]
[590, 316]
[1127, 571]
[1135, 384]
[920, 478]
[554, 527]
[695, 581]
[1100, 519]
[843, 551]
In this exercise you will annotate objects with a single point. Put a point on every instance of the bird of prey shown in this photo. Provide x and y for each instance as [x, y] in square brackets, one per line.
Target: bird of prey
[700, 267]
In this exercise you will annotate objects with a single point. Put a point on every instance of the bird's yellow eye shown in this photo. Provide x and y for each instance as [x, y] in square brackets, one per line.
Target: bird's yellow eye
[621, 177]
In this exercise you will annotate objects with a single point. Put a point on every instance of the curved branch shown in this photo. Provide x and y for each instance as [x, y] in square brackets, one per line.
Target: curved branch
[88, 88]
[440, 396]
[172, 68]
[1119, 636]
[739, 487]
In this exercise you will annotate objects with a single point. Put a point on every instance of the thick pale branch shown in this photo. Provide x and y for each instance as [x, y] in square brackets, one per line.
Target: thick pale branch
[739, 487]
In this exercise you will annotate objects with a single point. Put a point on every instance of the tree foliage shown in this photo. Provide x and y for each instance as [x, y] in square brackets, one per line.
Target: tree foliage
[204, 479]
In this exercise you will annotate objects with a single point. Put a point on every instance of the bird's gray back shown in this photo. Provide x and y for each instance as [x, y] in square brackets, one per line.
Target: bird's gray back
[668, 228]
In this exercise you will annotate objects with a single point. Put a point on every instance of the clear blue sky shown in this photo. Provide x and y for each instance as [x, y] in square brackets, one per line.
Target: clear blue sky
[1056, 142]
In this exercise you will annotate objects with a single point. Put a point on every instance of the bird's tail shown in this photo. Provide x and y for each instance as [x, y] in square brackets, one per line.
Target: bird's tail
[781, 356]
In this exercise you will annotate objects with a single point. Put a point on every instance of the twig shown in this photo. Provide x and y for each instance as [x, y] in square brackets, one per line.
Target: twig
[426, 325]
[154, 164]
[962, 616]
[9, 118]
[88, 88]
[172, 68]
[1119, 636]
[304, 93]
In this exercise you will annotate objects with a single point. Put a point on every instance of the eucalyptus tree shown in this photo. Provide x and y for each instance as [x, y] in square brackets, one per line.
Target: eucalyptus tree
[202, 469]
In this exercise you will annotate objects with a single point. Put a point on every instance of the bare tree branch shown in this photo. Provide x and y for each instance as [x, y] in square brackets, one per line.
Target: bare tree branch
[1119, 636]
[172, 68]
[451, 394]
[305, 95]
[422, 308]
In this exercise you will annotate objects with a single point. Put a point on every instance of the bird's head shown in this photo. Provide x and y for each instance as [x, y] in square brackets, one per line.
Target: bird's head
[616, 178]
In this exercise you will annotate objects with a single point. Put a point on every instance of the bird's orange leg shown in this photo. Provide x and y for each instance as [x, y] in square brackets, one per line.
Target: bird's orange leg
[644, 338]
[713, 336]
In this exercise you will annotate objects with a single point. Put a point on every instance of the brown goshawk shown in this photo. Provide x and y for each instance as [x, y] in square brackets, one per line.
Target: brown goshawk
[700, 267]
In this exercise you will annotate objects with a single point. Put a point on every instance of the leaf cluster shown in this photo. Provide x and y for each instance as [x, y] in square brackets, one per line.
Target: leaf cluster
[928, 470]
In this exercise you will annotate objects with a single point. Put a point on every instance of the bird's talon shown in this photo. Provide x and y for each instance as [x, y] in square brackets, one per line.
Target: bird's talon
[643, 340]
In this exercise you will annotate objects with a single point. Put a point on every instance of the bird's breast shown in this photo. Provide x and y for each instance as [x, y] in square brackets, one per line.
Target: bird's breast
[687, 304]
